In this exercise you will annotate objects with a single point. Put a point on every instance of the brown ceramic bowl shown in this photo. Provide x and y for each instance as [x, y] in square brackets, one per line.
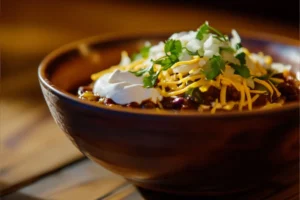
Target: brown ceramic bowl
[186, 153]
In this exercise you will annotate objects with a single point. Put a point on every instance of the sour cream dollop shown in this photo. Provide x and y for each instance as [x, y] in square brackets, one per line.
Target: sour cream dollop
[124, 88]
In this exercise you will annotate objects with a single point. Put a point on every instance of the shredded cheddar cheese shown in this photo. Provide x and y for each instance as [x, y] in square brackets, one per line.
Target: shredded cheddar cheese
[179, 83]
[189, 62]
[242, 100]
[215, 106]
[229, 105]
[254, 98]
[264, 83]
[248, 95]
[227, 81]
[276, 80]
[257, 91]
[275, 89]
[223, 95]
[271, 106]
[176, 73]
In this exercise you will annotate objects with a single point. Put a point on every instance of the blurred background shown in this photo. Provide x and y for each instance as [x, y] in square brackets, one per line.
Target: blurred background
[30, 29]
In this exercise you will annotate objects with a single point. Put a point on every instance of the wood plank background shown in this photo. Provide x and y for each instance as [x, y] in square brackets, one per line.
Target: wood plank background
[32, 147]
[84, 180]
[87, 180]
[31, 144]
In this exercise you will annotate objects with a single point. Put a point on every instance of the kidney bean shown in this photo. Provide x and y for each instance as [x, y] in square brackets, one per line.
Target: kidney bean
[167, 103]
[232, 94]
[189, 103]
[289, 91]
[108, 101]
[133, 105]
[210, 95]
[177, 102]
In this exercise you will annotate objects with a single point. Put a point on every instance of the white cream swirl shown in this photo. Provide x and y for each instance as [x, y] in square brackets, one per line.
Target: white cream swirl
[124, 87]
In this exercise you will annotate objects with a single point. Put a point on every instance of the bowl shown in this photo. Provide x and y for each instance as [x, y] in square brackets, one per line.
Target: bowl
[184, 153]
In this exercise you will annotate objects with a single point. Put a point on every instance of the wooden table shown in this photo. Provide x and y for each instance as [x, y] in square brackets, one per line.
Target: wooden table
[86, 180]
[37, 160]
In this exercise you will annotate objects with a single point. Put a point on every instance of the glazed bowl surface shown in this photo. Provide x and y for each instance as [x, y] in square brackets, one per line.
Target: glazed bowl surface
[177, 152]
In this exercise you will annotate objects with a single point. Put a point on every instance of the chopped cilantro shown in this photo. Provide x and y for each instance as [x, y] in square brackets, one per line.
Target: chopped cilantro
[150, 81]
[242, 58]
[190, 52]
[261, 88]
[145, 51]
[173, 47]
[264, 77]
[205, 29]
[241, 70]
[189, 92]
[194, 94]
[238, 46]
[213, 67]
[228, 49]
[218, 33]
[268, 75]
[165, 62]
[140, 72]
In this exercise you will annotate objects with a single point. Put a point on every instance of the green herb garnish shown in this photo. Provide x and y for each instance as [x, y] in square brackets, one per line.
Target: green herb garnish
[267, 76]
[194, 94]
[242, 58]
[173, 48]
[241, 70]
[205, 29]
[213, 67]
[261, 88]
[165, 62]
[238, 46]
[190, 52]
[227, 49]
[140, 72]
[150, 81]
[144, 53]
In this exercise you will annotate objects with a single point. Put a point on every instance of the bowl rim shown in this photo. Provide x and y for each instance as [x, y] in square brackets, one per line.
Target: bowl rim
[110, 37]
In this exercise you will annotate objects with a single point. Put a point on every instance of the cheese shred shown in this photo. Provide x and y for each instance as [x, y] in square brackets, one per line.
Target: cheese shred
[248, 95]
[215, 106]
[242, 100]
[275, 89]
[223, 95]
[173, 78]
[266, 84]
